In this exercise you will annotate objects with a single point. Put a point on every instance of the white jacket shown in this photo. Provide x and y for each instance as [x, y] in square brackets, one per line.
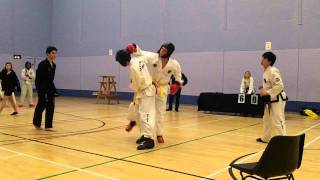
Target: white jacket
[27, 76]
[247, 84]
[273, 84]
[160, 75]
[140, 78]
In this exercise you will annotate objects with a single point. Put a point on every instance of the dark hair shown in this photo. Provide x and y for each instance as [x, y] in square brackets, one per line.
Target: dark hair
[27, 63]
[4, 69]
[170, 48]
[50, 49]
[270, 57]
[123, 56]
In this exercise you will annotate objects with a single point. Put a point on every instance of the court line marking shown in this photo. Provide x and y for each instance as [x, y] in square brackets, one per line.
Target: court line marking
[201, 122]
[189, 118]
[240, 135]
[8, 157]
[92, 118]
[26, 140]
[251, 156]
[59, 164]
[311, 142]
[76, 133]
[124, 159]
[180, 143]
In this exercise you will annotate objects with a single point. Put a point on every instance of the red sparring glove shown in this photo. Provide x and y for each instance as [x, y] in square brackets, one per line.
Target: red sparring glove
[131, 48]
[174, 88]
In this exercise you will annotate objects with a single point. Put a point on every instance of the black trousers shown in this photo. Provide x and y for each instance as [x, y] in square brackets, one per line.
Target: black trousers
[171, 97]
[45, 102]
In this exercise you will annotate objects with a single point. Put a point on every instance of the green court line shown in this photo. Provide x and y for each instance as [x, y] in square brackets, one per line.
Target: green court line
[124, 158]
[57, 174]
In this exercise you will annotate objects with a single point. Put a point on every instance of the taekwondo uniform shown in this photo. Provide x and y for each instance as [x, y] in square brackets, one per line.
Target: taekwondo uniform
[142, 106]
[161, 78]
[27, 77]
[274, 116]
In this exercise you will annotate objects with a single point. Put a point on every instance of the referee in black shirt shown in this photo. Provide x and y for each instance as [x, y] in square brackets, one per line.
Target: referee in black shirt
[46, 89]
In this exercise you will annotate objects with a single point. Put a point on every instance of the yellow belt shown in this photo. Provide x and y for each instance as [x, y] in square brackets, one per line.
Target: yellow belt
[161, 88]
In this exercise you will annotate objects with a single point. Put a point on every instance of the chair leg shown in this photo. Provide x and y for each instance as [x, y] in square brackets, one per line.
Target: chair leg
[232, 174]
[242, 177]
[290, 176]
[250, 176]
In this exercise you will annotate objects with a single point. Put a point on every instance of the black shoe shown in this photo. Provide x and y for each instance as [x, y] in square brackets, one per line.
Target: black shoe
[37, 127]
[169, 109]
[14, 113]
[147, 144]
[260, 140]
[140, 140]
[177, 110]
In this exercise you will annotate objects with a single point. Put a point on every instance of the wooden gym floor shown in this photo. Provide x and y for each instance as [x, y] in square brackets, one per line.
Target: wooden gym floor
[89, 142]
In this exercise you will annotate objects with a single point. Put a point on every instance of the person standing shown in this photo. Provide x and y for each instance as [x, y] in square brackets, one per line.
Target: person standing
[9, 83]
[273, 91]
[144, 96]
[27, 77]
[162, 68]
[177, 94]
[46, 89]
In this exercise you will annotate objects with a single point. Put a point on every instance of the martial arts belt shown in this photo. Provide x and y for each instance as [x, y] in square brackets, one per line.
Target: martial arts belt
[266, 101]
[161, 88]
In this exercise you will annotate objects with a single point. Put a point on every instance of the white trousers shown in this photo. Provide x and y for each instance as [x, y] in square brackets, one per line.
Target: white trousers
[274, 120]
[143, 111]
[161, 103]
[133, 112]
[26, 91]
